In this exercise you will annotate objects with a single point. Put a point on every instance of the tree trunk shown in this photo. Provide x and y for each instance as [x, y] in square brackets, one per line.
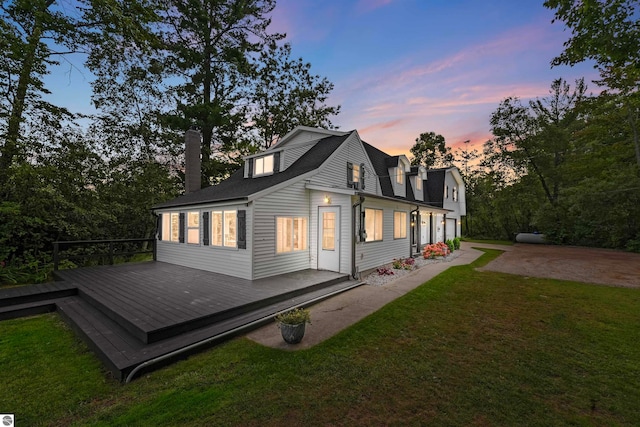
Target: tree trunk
[10, 148]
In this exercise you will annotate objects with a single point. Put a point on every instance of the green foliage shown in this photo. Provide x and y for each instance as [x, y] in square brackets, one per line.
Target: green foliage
[456, 243]
[450, 245]
[286, 95]
[452, 352]
[430, 150]
[294, 317]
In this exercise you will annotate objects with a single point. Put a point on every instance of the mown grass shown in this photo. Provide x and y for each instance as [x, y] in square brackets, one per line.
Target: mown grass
[466, 348]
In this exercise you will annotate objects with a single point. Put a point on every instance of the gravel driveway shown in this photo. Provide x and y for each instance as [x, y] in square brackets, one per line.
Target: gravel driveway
[589, 265]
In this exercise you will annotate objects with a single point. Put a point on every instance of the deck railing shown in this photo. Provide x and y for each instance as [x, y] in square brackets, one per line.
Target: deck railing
[113, 249]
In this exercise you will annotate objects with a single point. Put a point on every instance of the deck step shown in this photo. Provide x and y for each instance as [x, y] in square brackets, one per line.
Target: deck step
[28, 309]
[121, 352]
[108, 340]
[147, 335]
[34, 293]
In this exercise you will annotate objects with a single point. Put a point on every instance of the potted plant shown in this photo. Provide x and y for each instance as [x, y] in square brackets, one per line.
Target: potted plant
[292, 324]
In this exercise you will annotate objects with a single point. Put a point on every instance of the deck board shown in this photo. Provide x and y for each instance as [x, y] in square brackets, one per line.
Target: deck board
[131, 313]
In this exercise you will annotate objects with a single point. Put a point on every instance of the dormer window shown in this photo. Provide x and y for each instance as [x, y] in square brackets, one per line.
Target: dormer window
[446, 191]
[263, 165]
[400, 176]
[455, 194]
[418, 183]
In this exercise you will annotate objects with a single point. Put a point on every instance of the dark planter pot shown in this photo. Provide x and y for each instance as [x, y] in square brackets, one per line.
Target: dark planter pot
[292, 334]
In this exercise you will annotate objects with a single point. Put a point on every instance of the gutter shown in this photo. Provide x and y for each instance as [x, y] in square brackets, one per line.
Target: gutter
[417, 224]
[232, 332]
[354, 269]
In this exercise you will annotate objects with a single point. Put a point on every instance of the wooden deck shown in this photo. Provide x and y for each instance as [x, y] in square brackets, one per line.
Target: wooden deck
[132, 313]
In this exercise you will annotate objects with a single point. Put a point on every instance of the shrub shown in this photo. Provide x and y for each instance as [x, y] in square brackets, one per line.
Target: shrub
[294, 317]
[433, 250]
[384, 271]
[450, 245]
[456, 243]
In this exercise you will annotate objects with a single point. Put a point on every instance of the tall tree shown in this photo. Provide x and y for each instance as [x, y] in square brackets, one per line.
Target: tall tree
[286, 94]
[34, 34]
[537, 138]
[431, 151]
[607, 32]
[209, 44]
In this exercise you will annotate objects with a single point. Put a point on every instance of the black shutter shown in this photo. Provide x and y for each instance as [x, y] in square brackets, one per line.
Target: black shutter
[181, 230]
[349, 174]
[276, 162]
[242, 229]
[205, 228]
[362, 176]
[159, 227]
[250, 171]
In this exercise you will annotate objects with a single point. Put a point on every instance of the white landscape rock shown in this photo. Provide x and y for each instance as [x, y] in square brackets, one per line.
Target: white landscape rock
[376, 279]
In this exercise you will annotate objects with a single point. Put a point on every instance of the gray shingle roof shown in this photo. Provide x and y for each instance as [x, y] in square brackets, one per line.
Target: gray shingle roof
[238, 187]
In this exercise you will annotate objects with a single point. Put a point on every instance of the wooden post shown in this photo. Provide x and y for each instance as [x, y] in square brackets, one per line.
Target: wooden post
[154, 244]
[56, 256]
[110, 252]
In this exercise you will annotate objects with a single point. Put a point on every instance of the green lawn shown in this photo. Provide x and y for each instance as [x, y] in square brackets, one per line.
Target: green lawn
[466, 348]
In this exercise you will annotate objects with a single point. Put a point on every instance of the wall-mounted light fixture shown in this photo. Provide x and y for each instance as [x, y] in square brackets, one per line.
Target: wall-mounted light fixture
[327, 200]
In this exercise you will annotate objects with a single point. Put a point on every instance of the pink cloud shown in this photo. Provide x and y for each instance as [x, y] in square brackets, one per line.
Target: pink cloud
[379, 126]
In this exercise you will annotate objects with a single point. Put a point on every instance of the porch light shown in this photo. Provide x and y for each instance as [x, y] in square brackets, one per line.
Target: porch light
[327, 200]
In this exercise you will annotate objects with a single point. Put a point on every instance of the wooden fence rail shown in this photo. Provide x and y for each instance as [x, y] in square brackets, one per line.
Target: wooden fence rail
[59, 247]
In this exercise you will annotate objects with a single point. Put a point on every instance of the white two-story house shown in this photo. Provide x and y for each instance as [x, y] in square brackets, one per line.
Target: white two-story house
[318, 199]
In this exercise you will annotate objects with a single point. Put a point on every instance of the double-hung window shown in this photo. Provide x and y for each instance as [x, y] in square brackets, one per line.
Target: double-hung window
[224, 229]
[399, 225]
[373, 224]
[193, 227]
[291, 234]
[171, 227]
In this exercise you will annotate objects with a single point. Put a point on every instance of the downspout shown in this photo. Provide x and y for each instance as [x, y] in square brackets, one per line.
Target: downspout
[431, 227]
[417, 209]
[354, 269]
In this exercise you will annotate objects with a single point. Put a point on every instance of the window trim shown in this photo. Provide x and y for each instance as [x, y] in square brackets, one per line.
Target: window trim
[292, 228]
[168, 224]
[371, 237]
[190, 215]
[404, 228]
[222, 238]
[261, 160]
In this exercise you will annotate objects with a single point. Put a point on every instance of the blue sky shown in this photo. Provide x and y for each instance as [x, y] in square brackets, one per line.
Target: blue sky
[403, 67]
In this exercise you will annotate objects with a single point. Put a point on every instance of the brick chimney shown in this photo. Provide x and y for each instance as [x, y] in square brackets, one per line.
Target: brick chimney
[192, 180]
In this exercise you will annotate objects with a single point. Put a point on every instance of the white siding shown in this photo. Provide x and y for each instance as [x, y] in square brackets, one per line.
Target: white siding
[290, 201]
[374, 254]
[292, 154]
[334, 172]
[448, 203]
[303, 137]
[344, 201]
[231, 261]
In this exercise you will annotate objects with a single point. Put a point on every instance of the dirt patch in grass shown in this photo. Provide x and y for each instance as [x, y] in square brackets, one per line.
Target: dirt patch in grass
[589, 265]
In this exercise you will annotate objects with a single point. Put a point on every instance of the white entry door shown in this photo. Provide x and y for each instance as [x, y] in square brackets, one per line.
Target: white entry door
[329, 238]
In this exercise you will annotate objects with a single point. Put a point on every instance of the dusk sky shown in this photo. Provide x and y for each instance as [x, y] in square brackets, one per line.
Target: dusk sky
[403, 67]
